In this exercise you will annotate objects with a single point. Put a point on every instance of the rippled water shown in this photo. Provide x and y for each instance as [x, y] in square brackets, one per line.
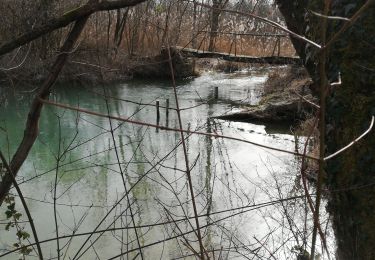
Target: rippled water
[78, 152]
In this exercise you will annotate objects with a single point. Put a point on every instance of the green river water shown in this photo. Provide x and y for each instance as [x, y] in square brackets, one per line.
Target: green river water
[77, 152]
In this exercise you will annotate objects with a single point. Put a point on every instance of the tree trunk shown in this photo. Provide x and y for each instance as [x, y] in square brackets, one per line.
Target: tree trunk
[217, 6]
[32, 124]
[351, 175]
[294, 14]
[80, 15]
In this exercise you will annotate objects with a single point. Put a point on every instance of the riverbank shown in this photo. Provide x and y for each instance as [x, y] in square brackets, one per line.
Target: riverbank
[89, 66]
[92, 66]
[286, 98]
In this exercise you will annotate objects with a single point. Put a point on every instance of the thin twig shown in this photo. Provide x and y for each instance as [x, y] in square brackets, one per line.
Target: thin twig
[32, 123]
[21, 63]
[265, 20]
[122, 172]
[338, 82]
[306, 100]
[329, 17]
[186, 157]
[64, 20]
[322, 126]
[244, 209]
[353, 142]
[352, 20]
[24, 204]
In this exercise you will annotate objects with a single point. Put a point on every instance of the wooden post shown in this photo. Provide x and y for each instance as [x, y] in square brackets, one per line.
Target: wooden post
[157, 114]
[167, 107]
[157, 110]
[166, 111]
[216, 93]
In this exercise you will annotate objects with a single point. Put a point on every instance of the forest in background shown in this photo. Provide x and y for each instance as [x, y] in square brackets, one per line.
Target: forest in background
[120, 39]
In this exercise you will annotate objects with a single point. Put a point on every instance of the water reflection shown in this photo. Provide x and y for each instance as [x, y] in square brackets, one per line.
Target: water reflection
[90, 192]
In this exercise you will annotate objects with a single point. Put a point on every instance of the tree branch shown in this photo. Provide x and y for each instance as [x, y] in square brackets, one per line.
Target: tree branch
[32, 124]
[353, 142]
[64, 20]
[26, 208]
[214, 135]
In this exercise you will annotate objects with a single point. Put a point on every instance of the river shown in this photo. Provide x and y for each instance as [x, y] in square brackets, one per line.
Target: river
[77, 154]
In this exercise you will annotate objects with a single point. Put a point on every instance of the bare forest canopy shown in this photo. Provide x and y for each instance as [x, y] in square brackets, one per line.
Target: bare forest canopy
[113, 36]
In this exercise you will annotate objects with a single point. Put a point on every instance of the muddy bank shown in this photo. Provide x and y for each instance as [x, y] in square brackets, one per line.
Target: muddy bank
[284, 99]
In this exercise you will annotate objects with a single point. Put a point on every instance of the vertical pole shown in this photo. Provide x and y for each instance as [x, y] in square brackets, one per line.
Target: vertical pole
[166, 111]
[216, 94]
[157, 114]
[157, 110]
[167, 107]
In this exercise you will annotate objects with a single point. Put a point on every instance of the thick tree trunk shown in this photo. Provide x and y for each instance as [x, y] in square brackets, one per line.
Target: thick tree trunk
[351, 175]
[294, 13]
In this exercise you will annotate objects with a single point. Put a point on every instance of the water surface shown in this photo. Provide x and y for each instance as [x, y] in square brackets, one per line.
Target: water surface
[77, 158]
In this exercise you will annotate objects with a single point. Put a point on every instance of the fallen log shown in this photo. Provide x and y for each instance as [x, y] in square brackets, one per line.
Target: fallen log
[276, 60]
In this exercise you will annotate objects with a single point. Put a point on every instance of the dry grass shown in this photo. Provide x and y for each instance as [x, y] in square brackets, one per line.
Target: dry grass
[288, 77]
[244, 45]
